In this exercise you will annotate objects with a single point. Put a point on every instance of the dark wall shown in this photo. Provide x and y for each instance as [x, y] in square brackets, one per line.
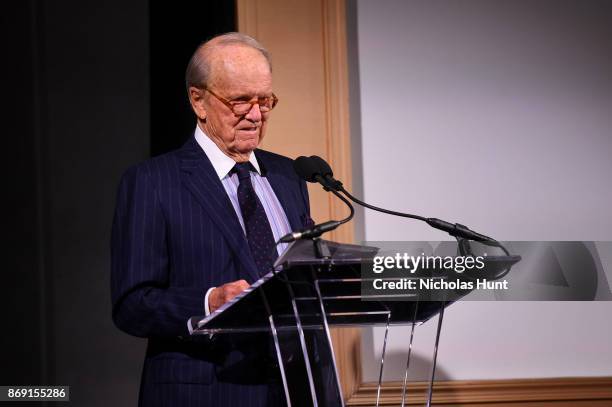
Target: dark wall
[22, 353]
[78, 79]
[176, 31]
[96, 70]
[79, 115]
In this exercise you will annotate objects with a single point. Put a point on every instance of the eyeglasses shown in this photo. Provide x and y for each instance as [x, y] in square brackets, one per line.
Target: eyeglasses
[242, 107]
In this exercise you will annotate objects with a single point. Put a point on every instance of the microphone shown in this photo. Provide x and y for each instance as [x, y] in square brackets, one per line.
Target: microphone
[316, 169]
[312, 232]
[458, 230]
[326, 172]
[309, 170]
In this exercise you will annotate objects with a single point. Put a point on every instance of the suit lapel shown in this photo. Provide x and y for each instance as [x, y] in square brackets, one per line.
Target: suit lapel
[279, 182]
[199, 177]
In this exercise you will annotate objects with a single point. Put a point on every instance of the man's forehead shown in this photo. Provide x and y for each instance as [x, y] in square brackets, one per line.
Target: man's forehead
[240, 66]
[238, 59]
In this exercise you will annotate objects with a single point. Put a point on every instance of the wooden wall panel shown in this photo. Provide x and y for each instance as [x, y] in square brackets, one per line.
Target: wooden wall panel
[307, 40]
[557, 392]
[307, 43]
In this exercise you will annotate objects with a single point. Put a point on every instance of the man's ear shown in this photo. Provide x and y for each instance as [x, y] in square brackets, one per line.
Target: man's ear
[196, 98]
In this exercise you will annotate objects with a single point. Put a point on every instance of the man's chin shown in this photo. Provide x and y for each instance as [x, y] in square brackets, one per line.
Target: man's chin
[248, 144]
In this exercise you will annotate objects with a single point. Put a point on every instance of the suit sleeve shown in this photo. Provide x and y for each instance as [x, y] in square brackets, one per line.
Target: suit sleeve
[144, 304]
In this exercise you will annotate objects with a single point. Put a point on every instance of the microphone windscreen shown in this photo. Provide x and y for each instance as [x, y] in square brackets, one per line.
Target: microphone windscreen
[321, 166]
[306, 168]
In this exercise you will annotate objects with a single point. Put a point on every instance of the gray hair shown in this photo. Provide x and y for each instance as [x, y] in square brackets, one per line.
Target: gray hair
[199, 68]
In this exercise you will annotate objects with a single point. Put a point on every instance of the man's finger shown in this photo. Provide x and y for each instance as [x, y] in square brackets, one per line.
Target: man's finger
[243, 284]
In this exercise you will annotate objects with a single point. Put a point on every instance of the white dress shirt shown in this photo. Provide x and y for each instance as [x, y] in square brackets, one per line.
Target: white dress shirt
[223, 165]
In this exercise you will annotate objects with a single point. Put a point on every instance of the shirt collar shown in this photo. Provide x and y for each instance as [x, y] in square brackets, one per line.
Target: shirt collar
[220, 162]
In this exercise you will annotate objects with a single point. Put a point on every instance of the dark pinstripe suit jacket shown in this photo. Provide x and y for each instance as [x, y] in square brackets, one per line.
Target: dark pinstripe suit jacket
[175, 234]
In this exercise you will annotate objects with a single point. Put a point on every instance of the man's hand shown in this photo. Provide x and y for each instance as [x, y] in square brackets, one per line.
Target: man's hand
[226, 292]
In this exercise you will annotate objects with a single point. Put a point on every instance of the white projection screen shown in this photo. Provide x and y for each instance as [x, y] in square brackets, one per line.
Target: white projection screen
[498, 115]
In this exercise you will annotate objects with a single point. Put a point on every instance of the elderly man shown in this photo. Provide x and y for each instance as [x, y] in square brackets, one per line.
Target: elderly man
[193, 227]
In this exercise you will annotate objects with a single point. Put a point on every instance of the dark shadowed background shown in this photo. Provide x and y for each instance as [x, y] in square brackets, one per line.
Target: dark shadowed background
[90, 88]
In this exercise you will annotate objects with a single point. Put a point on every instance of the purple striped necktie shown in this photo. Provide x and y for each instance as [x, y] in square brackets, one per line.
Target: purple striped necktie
[258, 230]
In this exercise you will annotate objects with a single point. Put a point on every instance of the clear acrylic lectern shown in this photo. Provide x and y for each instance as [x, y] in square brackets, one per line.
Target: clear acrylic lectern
[317, 284]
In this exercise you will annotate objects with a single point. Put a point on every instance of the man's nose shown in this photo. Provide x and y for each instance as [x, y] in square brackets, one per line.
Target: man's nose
[254, 114]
